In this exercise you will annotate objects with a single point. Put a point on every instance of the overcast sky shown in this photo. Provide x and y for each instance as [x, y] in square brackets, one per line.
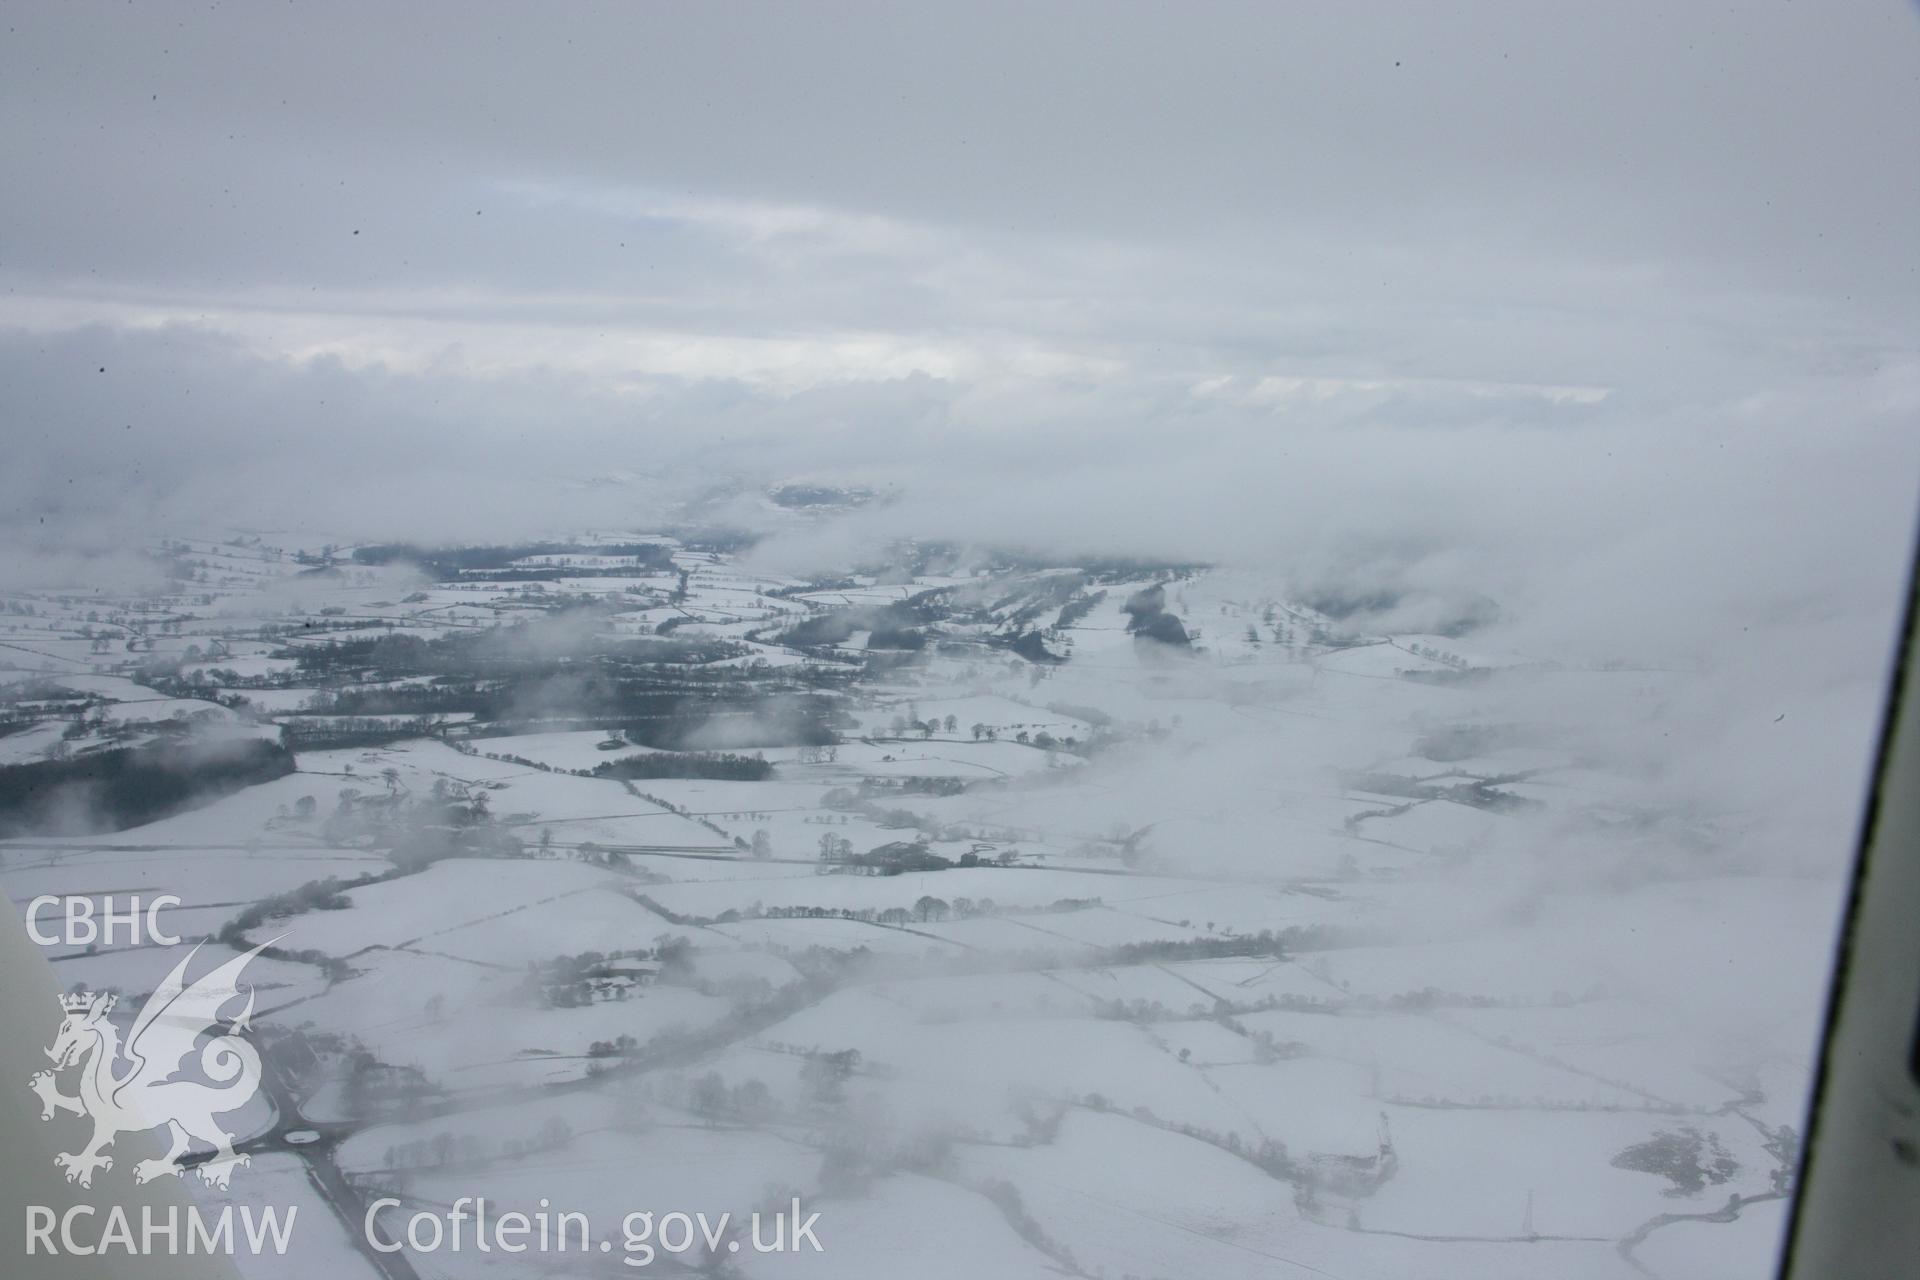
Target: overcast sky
[1285, 278]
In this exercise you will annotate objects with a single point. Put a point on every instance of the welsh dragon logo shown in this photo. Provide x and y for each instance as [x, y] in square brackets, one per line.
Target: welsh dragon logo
[153, 1089]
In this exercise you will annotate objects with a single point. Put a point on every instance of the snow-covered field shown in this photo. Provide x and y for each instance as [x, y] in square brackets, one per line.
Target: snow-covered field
[1273, 957]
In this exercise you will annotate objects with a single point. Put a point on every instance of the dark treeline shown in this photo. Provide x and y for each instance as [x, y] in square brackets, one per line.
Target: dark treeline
[1092, 715]
[116, 789]
[820, 495]
[17, 722]
[1031, 599]
[893, 626]
[1343, 602]
[1110, 569]
[725, 765]
[406, 700]
[721, 541]
[921, 558]
[814, 585]
[1265, 944]
[897, 638]
[1076, 609]
[496, 564]
[1478, 793]
[502, 651]
[730, 715]
[1472, 675]
[1032, 646]
[325, 733]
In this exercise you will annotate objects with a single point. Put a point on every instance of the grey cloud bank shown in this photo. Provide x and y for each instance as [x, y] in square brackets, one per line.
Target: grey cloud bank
[1605, 314]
